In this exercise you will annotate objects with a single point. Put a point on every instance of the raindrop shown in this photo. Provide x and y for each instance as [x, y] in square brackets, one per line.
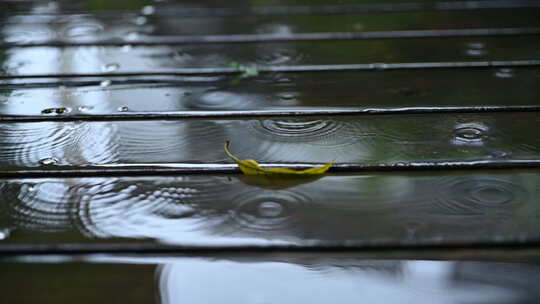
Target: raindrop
[287, 96]
[504, 73]
[49, 161]
[148, 10]
[85, 108]
[270, 209]
[475, 49]
[141, 20]
[126, 48]
[111, 67]
[105, 83]
[469, 133]
[123, 109]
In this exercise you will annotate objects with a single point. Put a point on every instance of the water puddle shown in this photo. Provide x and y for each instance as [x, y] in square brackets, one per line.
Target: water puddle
[374, 139]
[236, 210]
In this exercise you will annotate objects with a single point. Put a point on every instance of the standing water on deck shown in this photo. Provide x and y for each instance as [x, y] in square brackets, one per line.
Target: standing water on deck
[115, 188]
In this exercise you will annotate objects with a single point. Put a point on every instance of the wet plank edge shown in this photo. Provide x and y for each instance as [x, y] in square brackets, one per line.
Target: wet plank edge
[178, 115]
[346, 9]
[271, 38]
[380, 66]
[473, 249]
[226, 168]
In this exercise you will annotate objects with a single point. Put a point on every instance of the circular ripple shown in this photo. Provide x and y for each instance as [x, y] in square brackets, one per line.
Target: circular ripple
[478, 196]
[31, 144]
[220, 100]
[366, 194]
[301, 130]
[293, 139]
[263, 211]
[504, 73]
[175, 141]
[469, 134]
[105, 207]
[40, 206]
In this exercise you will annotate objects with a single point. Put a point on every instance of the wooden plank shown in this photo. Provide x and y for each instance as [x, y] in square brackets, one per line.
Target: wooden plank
[393, 90]
[162, 59]
[236, 8]
[210, 212]
[109, 25]
[370, 139]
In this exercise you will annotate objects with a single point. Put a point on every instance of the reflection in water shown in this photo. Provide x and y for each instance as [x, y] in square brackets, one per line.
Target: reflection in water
[195, 280]
[217, 210]
[469, 134]
[34, 144]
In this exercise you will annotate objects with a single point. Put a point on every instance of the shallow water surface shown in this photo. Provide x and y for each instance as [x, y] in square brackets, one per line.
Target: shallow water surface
[115, 188]
[342, 210]
[348, 139]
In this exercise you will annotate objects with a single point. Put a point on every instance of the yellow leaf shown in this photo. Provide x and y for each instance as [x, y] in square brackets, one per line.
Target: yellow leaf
[251, 167]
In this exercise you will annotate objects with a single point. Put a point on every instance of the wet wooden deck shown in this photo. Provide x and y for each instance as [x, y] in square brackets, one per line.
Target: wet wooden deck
[113, 118]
